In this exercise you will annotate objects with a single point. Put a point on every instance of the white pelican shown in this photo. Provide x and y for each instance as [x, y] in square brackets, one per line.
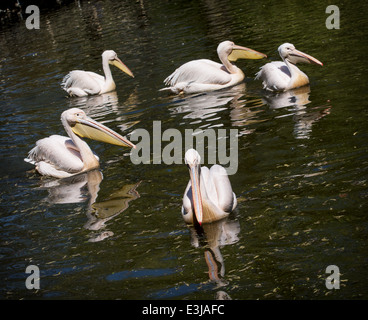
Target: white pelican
[208, 196]
[282, 76]
[83, 83]
[206, 75]
[61, 157]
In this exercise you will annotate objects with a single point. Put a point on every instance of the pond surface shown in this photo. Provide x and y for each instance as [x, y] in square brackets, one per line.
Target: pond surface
[117, 233]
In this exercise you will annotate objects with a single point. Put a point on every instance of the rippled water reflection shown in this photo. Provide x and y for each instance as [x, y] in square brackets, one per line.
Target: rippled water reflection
[302, 177]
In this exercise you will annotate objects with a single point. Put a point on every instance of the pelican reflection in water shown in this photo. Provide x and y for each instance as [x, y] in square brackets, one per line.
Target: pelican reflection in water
[206, 106]
[81, 83]
[60, 157]
[206, 75]
[297, 100]
[212, 237]
[75, 189]
[85, 187]
[108, 208]
[208, 196]
[285, 75]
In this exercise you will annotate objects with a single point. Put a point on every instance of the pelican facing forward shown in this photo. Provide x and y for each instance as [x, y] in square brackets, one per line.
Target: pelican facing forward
[61, 157]
[208, 196]
[283, 76]
[80, 83]
[206, 75]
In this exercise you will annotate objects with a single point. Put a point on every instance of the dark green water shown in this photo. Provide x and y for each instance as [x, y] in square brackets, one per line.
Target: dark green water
[303, 164]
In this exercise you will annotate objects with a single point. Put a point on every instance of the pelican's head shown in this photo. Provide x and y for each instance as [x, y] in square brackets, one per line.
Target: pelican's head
[85, 127]
[234, 52]
[193, 160]
[112, 58]
[287, 51]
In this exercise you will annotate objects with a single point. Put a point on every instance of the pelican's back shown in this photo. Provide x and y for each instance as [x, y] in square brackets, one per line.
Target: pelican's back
[225, 197]
[79, 82]
[275, 76]
[58, 152]
[201, 71]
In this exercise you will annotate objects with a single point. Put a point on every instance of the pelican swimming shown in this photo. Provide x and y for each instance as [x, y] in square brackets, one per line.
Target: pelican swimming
[206, 75]
[61, 157]
[208, 196]
[282, 76]
[83, 83]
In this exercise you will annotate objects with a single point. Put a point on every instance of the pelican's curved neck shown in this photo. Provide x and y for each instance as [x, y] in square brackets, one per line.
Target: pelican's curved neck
[292, 68]
[109, 84]
[227, 64]
[107, 70]
[297, 77]
[88, 158]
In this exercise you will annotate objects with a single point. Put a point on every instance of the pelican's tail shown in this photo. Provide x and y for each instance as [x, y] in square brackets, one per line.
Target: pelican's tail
[32, 156]
[259, 74]
[30, 161]
[165, 89]
[65, 82]
[169, 80]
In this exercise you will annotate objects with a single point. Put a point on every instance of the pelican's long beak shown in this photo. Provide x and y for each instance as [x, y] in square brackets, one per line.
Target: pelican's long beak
[196, 192]
[244, 53]
[88, 128]
[119, 64]
[298, 56]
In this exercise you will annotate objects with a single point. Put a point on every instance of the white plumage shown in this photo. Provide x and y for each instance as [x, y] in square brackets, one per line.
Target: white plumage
[208, 196]
[206, 75]
[60, 157]
[56, 156]
[285, 75]
[82, 83]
